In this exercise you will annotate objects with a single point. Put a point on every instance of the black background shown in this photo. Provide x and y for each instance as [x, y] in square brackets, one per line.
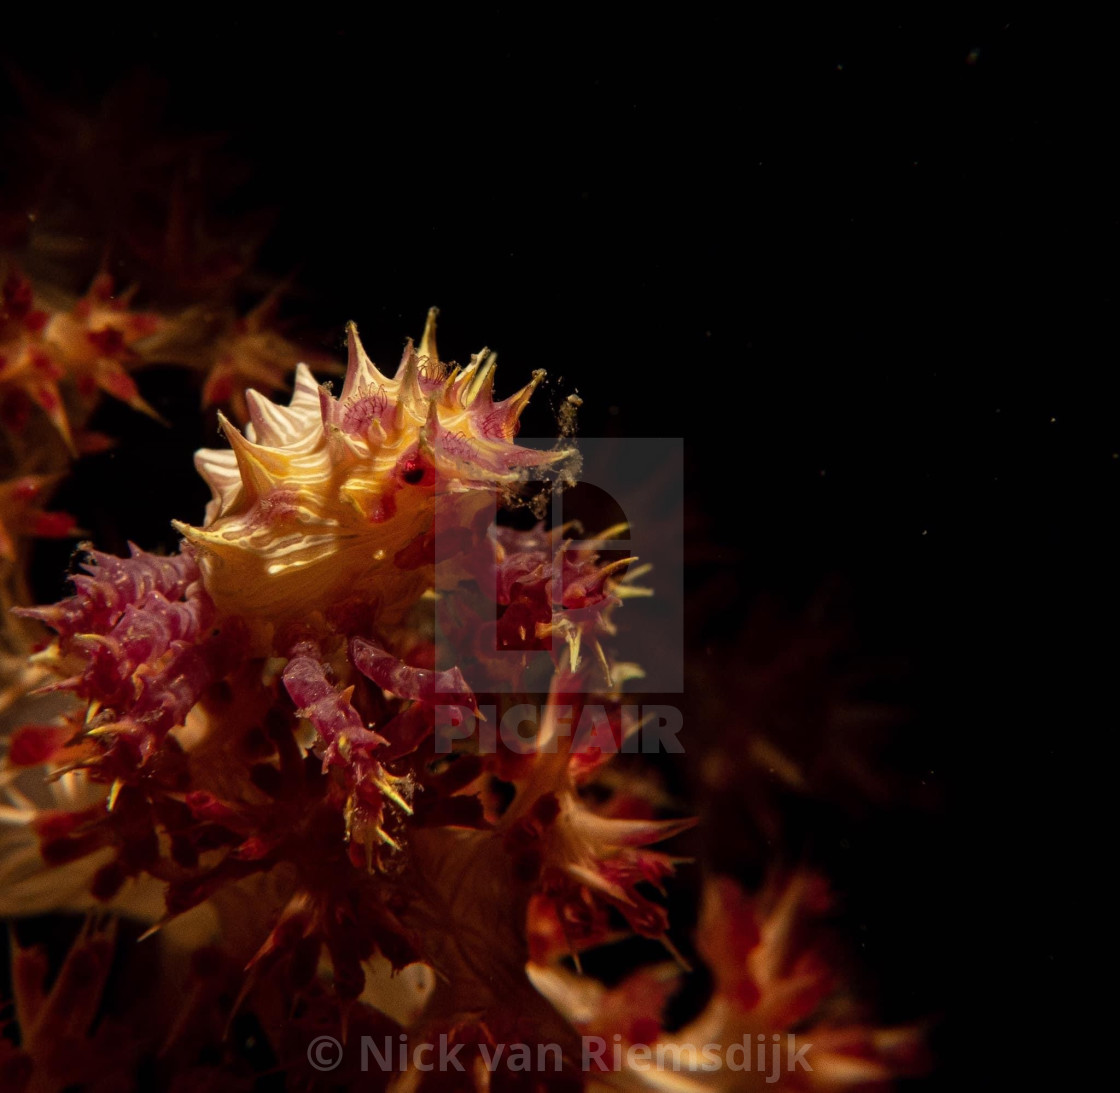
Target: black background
[864, 268]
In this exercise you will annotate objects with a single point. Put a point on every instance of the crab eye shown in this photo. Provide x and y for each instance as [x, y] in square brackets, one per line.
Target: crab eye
[416, 471]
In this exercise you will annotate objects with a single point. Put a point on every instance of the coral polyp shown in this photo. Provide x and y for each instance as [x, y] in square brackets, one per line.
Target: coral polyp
[331, 497]
[49, 353]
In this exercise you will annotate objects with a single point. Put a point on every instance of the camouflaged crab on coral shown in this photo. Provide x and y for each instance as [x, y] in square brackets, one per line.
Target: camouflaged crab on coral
[244, 733]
